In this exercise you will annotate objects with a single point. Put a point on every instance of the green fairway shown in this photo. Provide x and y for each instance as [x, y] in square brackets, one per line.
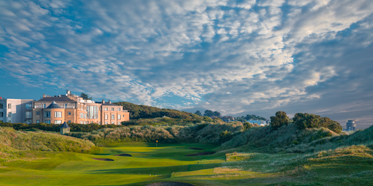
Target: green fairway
[169, 162]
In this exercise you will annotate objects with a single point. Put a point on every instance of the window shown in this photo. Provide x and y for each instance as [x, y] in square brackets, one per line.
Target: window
[38, 113]
[106, 122]
[1, 106]
[9, 114]
[44, 105]
[28, 121]
[113, 116]
[65, 105]
[105, 108]
[69, 113]
[81, 115]
[112, 109]
[47, 114]
[113, 122]
[118, 109]
[28, 105]
[81, 122]
[58, 114]
[69, 121]
[37, 121]
[48, 121]
[105, 116]
[119, 123]
[118, 116]
[28, 114]
[9, 106]
[1, 114]
[92, 112]
[85, 115]
[57, 122]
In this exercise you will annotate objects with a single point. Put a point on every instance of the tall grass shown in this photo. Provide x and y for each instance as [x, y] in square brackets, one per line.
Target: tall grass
[12, 141]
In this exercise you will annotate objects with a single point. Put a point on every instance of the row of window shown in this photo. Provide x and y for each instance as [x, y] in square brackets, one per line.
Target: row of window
[2, 106]
[47, 114]
[112, 109]
[2, 114]
[112, 116]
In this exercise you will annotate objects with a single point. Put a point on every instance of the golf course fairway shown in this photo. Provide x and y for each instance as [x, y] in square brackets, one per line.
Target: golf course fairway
[138, 163]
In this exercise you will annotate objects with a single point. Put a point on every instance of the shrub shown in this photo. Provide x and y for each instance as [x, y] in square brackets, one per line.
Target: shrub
[305, 120]
[279, 120]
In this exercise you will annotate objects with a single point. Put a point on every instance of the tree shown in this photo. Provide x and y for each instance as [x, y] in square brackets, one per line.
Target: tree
[85, 96]
[279, 120]
[198, 113]
[305, 120]
[208, 113]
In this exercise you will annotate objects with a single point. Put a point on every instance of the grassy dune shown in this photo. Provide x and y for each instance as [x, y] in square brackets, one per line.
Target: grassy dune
[19, 144]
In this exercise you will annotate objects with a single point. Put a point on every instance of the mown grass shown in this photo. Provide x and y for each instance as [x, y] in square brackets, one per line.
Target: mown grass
[343, 166]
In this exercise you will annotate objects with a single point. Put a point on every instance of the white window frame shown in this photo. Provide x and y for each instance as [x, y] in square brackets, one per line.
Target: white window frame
[106, 116]
[81, 115]
[9, 106]
[58, 114]
[48, 121]
[118, 116]
[57, 121]
[112, 109]
[118, 109]
[106, 109]
[112, 116]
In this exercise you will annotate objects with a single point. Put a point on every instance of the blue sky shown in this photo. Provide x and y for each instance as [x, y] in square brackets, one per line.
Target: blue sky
[237, 57]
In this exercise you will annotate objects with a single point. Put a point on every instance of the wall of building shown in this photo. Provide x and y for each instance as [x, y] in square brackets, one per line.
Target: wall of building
[18, 109]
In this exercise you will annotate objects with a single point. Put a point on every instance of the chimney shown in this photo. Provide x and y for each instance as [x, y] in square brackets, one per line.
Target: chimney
[68, 92]
[109, 101]
[103, 101]
[43, 95]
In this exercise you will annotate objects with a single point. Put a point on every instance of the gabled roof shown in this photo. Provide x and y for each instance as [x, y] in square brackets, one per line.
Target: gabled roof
[64, 125]
[62, 98]
[53, 105]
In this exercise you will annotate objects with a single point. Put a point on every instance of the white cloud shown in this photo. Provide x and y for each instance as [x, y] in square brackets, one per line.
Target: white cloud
[224, 55]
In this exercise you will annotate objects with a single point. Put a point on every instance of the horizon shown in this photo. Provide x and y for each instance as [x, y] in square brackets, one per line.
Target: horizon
[234, 57]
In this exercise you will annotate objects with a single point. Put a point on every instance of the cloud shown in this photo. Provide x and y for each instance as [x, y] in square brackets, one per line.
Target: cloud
[236, 57]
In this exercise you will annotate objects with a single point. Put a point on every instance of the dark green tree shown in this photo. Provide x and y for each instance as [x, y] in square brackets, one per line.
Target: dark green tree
[85, 96]
[198, 113]
[208, 113]
[305, 120]
[279, 120]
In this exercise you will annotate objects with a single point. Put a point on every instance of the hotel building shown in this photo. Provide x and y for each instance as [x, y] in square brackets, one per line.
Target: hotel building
[71, 108]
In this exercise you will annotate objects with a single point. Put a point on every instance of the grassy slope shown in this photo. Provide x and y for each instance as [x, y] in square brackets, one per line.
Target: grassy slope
[18, 144]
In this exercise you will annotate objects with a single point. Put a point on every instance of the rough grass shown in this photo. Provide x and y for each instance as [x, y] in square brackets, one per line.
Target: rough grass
[15, 144]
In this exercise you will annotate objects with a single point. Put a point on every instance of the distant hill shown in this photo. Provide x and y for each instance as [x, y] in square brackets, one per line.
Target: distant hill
[142, 111]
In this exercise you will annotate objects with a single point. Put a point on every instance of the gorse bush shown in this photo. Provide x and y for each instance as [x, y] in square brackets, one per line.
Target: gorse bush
[305, 120]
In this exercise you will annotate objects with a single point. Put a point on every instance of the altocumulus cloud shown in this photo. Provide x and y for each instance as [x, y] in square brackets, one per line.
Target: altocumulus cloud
[237, 57]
